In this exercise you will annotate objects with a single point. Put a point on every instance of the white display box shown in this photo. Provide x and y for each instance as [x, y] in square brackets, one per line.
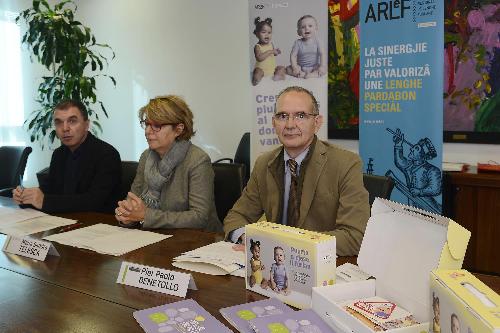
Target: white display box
[400, 248]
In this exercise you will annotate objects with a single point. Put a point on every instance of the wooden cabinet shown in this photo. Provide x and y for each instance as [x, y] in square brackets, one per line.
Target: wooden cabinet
[472, 199]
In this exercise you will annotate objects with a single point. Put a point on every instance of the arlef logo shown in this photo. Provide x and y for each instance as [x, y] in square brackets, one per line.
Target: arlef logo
[134, 269]
[271, 5]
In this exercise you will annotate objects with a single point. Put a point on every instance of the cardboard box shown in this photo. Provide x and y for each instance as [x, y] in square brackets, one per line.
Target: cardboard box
[462, 303]
[307, 258]
[401, 246]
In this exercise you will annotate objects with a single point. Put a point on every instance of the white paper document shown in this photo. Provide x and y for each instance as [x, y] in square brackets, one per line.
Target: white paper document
[15, 214]
[350, 273]
[452, 166]
[216, 259]
[107, 239]
[19, 228]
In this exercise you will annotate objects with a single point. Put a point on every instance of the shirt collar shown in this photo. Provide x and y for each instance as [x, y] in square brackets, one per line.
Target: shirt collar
[297, 159]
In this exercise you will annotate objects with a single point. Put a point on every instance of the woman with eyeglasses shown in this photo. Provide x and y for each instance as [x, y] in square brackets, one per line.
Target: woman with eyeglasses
[174, 184]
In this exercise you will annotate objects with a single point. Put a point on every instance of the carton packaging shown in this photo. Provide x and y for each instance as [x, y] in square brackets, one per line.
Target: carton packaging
[306, 258]
[462, 303]
[401, 246]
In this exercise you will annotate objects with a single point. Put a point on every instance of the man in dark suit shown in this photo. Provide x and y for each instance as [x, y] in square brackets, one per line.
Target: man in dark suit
[85, 172]
[304, 183]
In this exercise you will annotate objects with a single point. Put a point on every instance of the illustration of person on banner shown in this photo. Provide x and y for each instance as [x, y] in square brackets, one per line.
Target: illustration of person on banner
[423, 179]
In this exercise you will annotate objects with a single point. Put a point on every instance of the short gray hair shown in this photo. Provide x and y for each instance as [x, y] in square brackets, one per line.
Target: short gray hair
[315, 105]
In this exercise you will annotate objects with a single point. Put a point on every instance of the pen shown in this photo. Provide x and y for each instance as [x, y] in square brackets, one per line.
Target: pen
[21, 183]
[70, 227]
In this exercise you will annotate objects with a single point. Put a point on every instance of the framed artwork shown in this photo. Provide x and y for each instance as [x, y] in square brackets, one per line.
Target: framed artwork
[471, 92]
[343, 69]
[472, 71]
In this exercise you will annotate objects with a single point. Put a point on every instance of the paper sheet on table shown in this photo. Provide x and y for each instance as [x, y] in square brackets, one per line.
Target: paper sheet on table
[215, 259]
[9, 215]
[107, 239]
[34, 225]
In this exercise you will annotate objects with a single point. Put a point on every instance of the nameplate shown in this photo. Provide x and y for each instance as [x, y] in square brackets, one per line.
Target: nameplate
[155, 279]
[29, 247]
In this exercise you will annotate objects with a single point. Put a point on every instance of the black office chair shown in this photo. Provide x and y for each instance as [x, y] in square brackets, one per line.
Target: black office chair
[242, 155]
[378, 186]
[129, 169]
[228, 185]
[13, 163]
[43, 177]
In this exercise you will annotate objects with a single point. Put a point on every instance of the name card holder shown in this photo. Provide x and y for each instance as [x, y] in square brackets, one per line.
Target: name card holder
[29, 247]
[155, 279]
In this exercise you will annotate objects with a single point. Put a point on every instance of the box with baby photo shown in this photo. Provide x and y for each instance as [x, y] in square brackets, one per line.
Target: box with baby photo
[462, 303]
[287, 262]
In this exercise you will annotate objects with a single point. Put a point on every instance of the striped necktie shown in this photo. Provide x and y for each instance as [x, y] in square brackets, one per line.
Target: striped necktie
[293, 208]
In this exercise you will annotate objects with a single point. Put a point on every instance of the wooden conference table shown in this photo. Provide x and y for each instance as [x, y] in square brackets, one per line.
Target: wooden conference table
[77, 292]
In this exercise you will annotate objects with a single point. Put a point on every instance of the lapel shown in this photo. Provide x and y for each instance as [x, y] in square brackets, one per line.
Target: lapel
[311, 178]
[275, 185]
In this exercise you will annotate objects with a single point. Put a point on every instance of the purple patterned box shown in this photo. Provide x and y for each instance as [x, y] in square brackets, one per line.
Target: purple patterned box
[185, 316]
[302, 321]
[239, 315]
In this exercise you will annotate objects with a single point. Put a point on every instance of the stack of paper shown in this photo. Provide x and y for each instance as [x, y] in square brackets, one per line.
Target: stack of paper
[21, 222]
[183, 316]
[14, 214]
[379, 314]
[215, 259]
[454, 166]
[107, 239]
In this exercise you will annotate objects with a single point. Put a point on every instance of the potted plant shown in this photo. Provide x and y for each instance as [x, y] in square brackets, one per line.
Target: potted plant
[70, 52]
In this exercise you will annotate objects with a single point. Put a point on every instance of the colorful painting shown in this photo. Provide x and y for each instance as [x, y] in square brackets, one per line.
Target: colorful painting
[343, 71]
[472, 66]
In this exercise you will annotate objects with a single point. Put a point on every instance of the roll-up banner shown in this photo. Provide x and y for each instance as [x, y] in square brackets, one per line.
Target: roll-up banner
[282, 33]
[401, 97]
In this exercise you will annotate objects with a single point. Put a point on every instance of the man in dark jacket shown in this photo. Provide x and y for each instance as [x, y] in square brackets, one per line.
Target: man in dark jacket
[85, 172]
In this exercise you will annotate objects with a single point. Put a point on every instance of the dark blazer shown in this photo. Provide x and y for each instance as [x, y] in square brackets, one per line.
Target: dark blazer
[333, 201]
[98, 175]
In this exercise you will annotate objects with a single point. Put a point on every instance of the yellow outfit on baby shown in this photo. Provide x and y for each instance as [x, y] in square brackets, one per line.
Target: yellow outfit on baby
[257, 274]
[268, 65]
[435, 327]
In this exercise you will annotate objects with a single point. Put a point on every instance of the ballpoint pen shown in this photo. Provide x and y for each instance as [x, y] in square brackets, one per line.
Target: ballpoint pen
[70, 227]
[21, 183]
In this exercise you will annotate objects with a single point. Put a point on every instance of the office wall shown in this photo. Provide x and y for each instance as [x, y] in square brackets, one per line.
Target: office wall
[198, 49]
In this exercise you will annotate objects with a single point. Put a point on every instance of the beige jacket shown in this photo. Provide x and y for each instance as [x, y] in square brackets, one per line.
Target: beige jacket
[187, 198]
[333, 199]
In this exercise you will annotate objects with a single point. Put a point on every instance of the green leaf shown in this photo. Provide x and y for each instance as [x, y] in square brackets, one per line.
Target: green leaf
[61, 44]
[97, 125]
[104, 109]
[52, 136]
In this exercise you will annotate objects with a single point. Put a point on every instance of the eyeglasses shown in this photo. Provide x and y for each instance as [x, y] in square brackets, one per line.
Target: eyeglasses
[299, 117]
[153, 126]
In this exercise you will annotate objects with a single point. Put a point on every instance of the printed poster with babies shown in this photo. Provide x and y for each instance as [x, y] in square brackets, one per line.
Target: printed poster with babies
[286, 262]
[288, 47]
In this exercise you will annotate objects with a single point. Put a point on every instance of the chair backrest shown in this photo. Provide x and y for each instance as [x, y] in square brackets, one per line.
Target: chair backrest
[12, 165]
[242, 154]
[129, 169]
[378, 186]
[228, 185]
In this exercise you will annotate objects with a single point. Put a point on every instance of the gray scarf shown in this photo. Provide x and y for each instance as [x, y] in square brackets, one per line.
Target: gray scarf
[158, 171]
